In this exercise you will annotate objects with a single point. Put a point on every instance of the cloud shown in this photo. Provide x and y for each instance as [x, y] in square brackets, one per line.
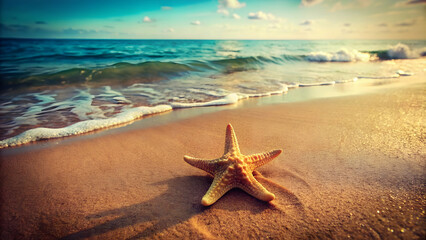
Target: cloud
[223, 11]
[416, 1]
[261, 16]
[165, 8]
[275, 26]
[226, 8]
[226, 13]
[347, 25]
[14, 28]
[382, 25]
[18, 30]
[170, 30]
[308, 3]
[351, 5]
[364, 3]
[108, 26]
[40, 22]
[390, 13]
[408, 3]
[147, 19]
[235, 16]
[230, 4]
[197, 22]
[406, 23]
[307, 23]
[73, 31]
[336, 7]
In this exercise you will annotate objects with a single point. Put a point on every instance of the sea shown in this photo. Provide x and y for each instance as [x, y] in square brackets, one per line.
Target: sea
[52, 88]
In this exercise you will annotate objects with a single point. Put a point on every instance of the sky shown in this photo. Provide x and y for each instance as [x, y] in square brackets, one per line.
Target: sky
[214, 19]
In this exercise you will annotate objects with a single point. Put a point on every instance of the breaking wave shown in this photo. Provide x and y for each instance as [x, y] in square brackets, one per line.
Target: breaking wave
[340, 56]
[399, 51]
[402, 51]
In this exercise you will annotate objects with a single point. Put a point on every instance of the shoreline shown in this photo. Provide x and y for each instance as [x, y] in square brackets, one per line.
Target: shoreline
[352, 166]
[295, 94]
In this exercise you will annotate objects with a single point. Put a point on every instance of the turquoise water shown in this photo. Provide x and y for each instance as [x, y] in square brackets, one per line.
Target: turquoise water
[75, 86]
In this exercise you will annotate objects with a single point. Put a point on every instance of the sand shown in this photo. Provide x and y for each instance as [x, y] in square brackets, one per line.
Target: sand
[352, 167]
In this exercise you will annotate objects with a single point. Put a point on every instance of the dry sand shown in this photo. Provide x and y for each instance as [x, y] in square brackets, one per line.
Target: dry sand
[352, 167]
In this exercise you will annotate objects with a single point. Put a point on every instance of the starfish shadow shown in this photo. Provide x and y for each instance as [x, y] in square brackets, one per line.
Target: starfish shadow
[180, 202]
[282, 173]
[236, 199]
[285, 197]
[177, 204]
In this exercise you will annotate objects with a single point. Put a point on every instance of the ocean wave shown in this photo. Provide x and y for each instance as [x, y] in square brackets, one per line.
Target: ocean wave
[402, 51]
[239, 64]
[343, 55]
[129, 73]
[60, 56]
[124, 73]
[399, 51]
[118, 73]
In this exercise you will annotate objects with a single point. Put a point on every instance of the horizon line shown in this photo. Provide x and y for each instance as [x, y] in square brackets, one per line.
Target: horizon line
[217, 39]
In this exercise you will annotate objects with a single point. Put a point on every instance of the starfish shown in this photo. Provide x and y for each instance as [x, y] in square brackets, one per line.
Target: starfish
[234, 170]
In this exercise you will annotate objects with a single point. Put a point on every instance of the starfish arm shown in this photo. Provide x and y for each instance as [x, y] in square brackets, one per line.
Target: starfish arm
[256, 189]
[218, 188]
[205, 165]
[231, 142]
[260, 159]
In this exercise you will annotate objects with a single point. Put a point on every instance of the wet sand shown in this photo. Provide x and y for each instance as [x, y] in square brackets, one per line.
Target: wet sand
[352, 167]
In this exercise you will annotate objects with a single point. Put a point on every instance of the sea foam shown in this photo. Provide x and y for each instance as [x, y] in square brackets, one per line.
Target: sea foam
[130, 114]
[316, 84]
[404, 73]
[229, 99]
[124, 117]
[348, 80]
[343, 55]
[402, 51]
[283, 89]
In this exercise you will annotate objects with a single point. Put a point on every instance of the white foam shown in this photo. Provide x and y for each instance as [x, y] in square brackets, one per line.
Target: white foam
[94, 118]
[121, 100]
[380, 77]
[402, 51]
[229, 99]
[316, 84]
[214, 93]
[117, 97]
[348, 80]
[340, 56]
[146, 90]
[293, 85]
[283, 88]
[30, 115]
[82, 105]
[403, 73]
[126, 116]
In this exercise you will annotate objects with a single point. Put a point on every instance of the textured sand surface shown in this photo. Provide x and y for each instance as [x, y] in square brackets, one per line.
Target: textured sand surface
[352, 167]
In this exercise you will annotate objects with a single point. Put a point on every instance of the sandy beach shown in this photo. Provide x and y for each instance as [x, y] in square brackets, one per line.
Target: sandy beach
[351, 167]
